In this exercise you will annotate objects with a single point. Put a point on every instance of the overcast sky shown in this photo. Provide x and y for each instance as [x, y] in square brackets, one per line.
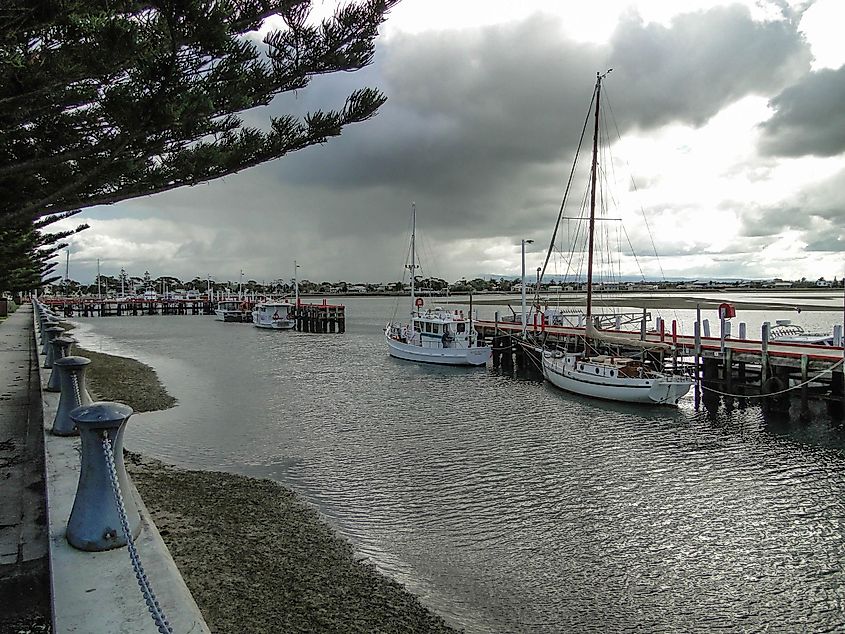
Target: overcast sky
[730, 119]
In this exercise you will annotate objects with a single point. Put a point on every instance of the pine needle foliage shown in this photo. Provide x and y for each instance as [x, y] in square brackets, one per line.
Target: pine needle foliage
[107, 100]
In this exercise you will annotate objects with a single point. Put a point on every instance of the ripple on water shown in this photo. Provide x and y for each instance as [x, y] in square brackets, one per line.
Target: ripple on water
[508, 505]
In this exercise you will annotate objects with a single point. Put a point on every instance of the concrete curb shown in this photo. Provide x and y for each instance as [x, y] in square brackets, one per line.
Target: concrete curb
[98, 592]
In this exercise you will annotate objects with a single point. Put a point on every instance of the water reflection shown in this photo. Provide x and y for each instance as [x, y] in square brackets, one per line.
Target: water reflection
[506, 504]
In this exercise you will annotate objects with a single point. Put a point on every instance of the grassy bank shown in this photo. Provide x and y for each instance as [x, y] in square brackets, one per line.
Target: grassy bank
[255, 556]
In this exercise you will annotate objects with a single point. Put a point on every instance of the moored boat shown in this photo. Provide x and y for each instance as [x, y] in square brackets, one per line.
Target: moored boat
[784, 331]
[228, 310]
[592, 371]
[273, 315]
[440, 336]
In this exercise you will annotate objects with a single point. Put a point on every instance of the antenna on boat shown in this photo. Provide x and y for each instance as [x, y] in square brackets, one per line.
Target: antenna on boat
[413, 265]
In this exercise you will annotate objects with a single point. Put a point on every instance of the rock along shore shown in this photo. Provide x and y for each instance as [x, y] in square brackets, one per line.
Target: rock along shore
[256, 557]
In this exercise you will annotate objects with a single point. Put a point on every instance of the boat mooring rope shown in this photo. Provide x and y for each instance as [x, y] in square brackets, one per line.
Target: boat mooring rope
[789, 389]
[703, 387]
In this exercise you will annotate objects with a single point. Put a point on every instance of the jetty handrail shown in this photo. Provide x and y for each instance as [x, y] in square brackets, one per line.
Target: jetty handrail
[687, 342]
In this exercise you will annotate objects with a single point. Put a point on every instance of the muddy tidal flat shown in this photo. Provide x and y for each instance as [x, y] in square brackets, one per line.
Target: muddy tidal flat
[255, 556]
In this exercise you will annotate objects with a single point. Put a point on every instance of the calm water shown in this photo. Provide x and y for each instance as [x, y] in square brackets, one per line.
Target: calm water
[506, 505]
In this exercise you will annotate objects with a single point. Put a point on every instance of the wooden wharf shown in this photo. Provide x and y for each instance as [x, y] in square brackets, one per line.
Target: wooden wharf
[320, 318]
[317, 318]
[93, 307]
[727, 362]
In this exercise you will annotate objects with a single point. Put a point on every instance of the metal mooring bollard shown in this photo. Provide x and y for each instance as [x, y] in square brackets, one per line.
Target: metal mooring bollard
[49, 351]
[61, 349]
[74, 394]
[95, 522]
[46, 322]
[49, 334]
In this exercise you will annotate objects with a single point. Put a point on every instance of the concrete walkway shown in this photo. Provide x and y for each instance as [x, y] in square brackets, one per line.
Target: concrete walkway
[24, 569]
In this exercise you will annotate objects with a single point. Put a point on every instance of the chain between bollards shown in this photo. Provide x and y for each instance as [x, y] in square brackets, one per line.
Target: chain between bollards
[75, 381]
[146, 588]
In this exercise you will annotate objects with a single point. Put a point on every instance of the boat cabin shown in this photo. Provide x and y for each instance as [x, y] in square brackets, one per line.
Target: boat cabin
[274, 310]
[606, 366]
[437, 328]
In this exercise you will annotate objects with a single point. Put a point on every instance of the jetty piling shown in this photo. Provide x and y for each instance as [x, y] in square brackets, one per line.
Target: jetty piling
[320, 318]
[730, 366]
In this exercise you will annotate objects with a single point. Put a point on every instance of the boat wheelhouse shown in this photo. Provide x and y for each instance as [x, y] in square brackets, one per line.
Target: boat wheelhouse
[228, 310]
[439, 336]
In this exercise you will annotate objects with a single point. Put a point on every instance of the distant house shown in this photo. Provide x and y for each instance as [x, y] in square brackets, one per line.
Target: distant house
[356, 288]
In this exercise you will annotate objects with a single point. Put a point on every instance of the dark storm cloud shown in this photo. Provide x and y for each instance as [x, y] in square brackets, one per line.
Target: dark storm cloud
[688, 71]
[480, 130]
[809, 117]
[483, 123]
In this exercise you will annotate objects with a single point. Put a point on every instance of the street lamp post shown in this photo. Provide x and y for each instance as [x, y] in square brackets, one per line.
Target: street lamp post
[296, 284]
[524, 317]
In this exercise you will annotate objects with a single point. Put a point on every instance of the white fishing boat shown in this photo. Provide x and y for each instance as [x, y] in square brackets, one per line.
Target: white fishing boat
[273, 315]
[228, 310]
[591, 371]
[438, 335]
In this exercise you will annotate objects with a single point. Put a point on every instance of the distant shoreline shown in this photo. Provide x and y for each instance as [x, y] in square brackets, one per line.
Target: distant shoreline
[670, 299]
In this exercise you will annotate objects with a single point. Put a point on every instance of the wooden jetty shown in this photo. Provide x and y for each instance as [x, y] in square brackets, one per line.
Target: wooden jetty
[319, 318]
[94, 307]
[733, 364]
[322, 318]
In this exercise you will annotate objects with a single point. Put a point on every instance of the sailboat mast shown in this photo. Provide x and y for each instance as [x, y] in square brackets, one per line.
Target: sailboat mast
[593, 179]
[413, 265]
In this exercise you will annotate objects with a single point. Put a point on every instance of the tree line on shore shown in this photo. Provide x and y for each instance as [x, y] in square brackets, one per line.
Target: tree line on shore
[167, 285]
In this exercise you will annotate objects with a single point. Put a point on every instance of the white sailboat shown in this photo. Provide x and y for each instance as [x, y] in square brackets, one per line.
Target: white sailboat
[616, 378]
[438, 335]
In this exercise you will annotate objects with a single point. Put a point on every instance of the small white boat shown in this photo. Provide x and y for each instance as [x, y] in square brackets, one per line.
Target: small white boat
[228, 310]
[784, 331]
[274, 315]
[438, 336]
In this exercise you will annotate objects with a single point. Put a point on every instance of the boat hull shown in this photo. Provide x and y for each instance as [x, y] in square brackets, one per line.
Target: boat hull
[656, 391]
[282, 324]
[440, 356]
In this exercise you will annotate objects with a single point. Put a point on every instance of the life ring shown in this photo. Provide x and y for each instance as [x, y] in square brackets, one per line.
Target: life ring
[419, 302]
